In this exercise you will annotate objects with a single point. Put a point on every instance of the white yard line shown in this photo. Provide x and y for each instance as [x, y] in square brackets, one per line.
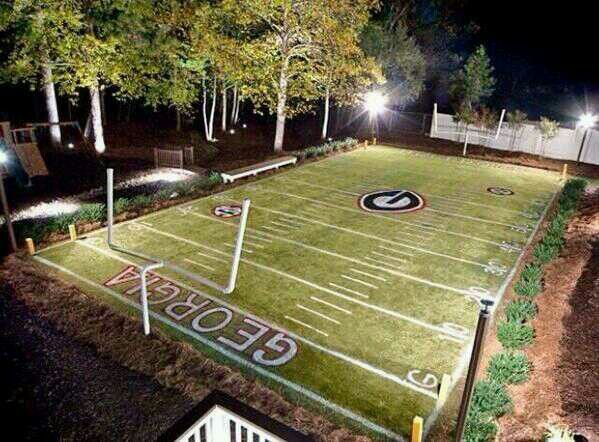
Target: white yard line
[253, 244]
[146, 223]
[370, 275]
[232, 356]
[347, 258]
[466, 350]
[397, 251]
[379, 262]
[297, 321]
[402, 260]
[329, 304]
[313, 285]
[376, 215]
[233, 246]
[470, 218]
[288, 226]
[359, 281]
[366, 235]
[314, 312]
[258, 238]
[293, 221]
[309, 342]
[353, 292]
[212, 257]
[198, 264]
[274, 229]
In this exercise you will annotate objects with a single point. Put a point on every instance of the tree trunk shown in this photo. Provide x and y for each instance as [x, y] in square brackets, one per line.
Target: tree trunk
[281, 102]
[237, 106]
[204, 115]
[103, 105]
[325, 122]
[96, 118]
[211, 126]
[234, 105]
[223, 123]
[178, 120]
[52, 107]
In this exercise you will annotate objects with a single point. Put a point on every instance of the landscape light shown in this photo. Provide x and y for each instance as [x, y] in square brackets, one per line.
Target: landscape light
[70, 145]
[587, 120]
[232, 131]
[374, 102]
[244, 125]
[3, 157]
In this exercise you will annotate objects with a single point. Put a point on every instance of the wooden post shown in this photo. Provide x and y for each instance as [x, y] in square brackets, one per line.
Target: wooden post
[72, 232]
[564, 171]
[443, 391]
[30, 246]
[365, 143]
[373, 141]
[417, 427]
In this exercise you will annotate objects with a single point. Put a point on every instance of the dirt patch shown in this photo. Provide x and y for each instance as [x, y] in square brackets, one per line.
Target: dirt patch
[55, 387]
[173, 365]
[564, 388]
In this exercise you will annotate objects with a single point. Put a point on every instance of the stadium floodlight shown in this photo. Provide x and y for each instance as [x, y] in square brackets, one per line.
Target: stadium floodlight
[154, 262]
[375, 102]
[586, 121]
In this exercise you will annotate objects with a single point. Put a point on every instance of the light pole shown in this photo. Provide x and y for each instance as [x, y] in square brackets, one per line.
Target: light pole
[586, 121]
[374, 102]
[5, 208]
[483, 318]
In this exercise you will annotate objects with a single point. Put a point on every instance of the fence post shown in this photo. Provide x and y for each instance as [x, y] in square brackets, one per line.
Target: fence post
[564, 171]
[155, 157]
[417, 427]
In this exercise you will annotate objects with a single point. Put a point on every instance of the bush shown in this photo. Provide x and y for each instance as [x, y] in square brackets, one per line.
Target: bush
[528, 289]
[531, 272]
[479, 427]
[141, 201]
[508, 368]
[514, 335]
[491, 398]
[545, 251]
[121, 205]
[520, 310]
[92, 212]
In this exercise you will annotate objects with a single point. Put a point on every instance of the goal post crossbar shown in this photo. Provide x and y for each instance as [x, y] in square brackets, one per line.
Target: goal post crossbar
[154, 262]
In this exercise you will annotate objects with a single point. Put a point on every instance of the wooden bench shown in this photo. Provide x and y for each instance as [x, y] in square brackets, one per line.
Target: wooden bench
[255, 169]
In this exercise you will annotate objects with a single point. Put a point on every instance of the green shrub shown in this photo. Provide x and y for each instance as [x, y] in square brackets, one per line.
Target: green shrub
[92, 212]
[508, 368]
[520, 310]
[490, 397]
[141, 201]
[514, 335]
[545, 251]
[479, 427]
[121, 205]
[528, 289]
[531, 272]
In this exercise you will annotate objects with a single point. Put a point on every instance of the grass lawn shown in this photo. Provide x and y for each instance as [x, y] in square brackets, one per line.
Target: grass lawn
[357, 313]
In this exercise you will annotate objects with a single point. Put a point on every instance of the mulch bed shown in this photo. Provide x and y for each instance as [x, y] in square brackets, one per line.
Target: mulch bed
[564, 386]
[85, 322]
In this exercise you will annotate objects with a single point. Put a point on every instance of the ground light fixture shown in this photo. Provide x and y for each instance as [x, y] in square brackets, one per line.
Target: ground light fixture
[5, 207]
[586, 121]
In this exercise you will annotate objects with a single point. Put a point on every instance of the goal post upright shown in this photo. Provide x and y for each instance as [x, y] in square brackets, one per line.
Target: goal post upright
[154, 262]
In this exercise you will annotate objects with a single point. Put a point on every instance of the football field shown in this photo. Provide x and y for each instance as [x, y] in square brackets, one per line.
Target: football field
[359, 281]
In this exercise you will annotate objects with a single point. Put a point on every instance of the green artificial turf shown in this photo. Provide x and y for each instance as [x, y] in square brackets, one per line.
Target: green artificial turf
[380, 306]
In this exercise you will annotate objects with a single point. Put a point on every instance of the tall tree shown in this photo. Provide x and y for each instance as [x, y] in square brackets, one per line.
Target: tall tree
[39, 30]
[285, 38]
[399, 56]
[475, 81]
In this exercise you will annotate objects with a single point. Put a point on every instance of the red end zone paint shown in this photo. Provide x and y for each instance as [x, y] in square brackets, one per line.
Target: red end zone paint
[253, 340]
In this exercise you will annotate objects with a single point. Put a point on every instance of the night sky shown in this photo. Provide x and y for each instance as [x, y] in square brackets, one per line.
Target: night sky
[547, 47]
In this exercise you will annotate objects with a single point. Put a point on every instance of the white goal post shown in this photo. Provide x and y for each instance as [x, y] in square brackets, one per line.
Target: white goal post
[155, 263]
[435, 129]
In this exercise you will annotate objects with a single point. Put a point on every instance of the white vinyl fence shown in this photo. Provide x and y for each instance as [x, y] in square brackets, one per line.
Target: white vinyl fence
[565, 146]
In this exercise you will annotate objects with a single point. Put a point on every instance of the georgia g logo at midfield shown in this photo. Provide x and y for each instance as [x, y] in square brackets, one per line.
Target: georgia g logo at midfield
[391, 201]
